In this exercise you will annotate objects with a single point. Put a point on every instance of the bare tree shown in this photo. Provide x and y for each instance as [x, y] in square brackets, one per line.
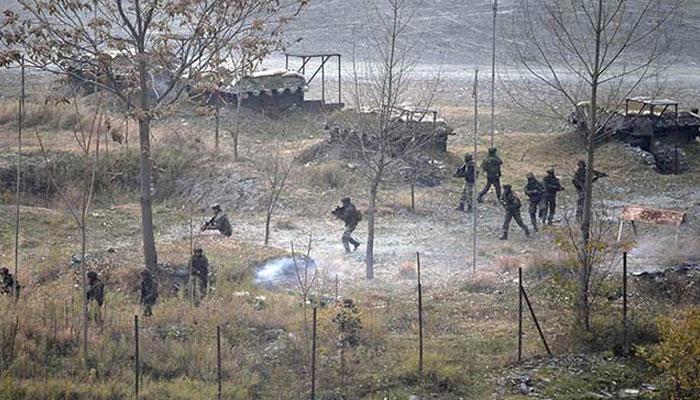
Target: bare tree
[88, 142]
[381, 132]
[276, 170]
[306, 279]
[587, 56]
[142, 51]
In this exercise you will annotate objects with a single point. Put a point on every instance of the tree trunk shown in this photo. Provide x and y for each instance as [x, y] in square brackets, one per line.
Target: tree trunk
[370, 225]
[237, 129]
[146, 168]
[217, 120]
[145, 174]
[83, 274]
[268, 218]
[584, 307]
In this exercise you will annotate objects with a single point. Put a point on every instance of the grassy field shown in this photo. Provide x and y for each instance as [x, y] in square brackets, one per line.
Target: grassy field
[470, 318]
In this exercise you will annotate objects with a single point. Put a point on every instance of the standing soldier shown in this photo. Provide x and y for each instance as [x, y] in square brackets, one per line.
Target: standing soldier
[349, 214]
[535, 192]
[551, 186]
[8, 283]
[149, 292]
[579, 182]
[219, 222]
[468, 172]
[96, 293]
[199, 265]
[511, 203]
[492, 167]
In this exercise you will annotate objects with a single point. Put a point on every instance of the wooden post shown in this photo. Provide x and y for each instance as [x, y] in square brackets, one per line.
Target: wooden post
[420, 322]
[475, 94]
[20, 123]
[340, 87]
[218, 361]
[313, 357]
[520, 314]
[136, 357]
[493, 71]
[625, 324]
[619, 231]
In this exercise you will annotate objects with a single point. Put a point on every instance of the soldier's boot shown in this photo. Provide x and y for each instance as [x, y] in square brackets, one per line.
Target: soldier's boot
[549, 220]
[533, 220]
[504, 236]
[355, 244]
[460, 207]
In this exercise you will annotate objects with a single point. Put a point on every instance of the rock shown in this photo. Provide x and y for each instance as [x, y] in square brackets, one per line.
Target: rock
[628, 393]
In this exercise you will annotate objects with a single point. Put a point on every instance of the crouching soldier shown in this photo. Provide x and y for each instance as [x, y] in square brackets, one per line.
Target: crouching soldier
[551, 186]
[511, 204]
[468, 172]
[96, 293]
[219, 222]
[149, 292]
[534, 191]
[199, 267]
[8, 283]
[349, 214]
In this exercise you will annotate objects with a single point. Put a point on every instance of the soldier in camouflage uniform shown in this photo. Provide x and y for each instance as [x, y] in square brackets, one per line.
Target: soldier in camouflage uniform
[468, 172]
[511, 204]
[8, 283]
[552, 186]
[492, 167]
[579, 182]
[219, 222]
[199, 265]
[349, 214]
[535, 192]
[149, 292]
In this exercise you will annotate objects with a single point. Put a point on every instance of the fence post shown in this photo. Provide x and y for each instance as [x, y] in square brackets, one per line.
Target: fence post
[136, 357]
[534, 318]
[520, 314]
[218, 361]
[420, 322]
[313, 357]
[625, 323]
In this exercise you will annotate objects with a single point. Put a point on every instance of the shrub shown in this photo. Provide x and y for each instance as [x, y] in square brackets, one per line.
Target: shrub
[678, 354]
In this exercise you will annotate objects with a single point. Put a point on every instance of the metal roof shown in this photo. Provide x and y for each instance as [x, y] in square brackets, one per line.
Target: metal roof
[652, 101]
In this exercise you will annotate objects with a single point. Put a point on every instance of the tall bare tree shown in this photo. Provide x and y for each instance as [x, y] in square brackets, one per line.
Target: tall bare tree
[588, 56]
[276, 170]
[78, 199]
[379, 133]
[141, 51]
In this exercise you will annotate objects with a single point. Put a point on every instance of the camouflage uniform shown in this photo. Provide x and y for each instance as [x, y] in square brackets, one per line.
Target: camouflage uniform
[492, 167]
[551, 186]
[579, 182]
[219, 222]
[535, 193]
[468, 172]
[8, 283]
[149, 292]
[348, 213]
[199, 265]
[96, 293]
[511, 204]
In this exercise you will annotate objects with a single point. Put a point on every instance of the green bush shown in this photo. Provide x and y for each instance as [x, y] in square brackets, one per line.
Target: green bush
[678, 354]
